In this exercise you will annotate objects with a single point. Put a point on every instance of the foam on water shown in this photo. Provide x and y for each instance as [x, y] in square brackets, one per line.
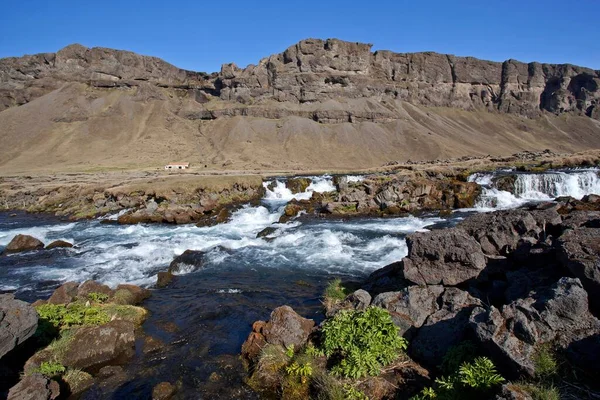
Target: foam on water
[280, 192]
[535, 187]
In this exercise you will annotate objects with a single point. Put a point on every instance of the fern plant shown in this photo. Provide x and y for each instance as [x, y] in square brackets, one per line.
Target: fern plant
[51, 369]
[361, 342]
[480, 374]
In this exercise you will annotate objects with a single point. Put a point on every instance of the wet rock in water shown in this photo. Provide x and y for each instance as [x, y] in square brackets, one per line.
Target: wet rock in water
[18, 322]
[410, 307]
[163, 391]
[35, 387]
[559, 313]
[579, 251]
[189, 261]
[21, 243]
[90, 286]
[93, 347]
[163, 279]
[443, 329]
[64, 294]
[298, 185]
[152, 344]
[448, 256]
[266, 232]
[285, 328]
[58, 244]
[130, 295]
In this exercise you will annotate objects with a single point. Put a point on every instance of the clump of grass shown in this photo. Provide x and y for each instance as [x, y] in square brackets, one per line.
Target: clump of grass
[545, 362]
[335, 292]
[77, 380]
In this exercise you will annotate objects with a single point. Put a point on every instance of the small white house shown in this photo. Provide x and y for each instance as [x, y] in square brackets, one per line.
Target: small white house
[178, 166]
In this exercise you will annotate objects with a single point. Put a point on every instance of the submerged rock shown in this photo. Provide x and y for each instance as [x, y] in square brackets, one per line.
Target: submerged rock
[58, 244]
[189, 261]
[163, 391]
[21, 243]
[18, 322]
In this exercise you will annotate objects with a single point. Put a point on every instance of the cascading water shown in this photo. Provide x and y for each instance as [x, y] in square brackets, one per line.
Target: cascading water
[535, 187]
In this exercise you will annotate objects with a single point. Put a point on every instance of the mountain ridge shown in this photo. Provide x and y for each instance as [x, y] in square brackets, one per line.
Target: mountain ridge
[319, 104]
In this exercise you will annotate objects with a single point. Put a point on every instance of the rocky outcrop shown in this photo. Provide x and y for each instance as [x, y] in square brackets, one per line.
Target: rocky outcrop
[22, 243]
[35, 387]
[188, 261]
[559, 314]
[284, 328]
[59, 244]
[18, 322]
[315, 70]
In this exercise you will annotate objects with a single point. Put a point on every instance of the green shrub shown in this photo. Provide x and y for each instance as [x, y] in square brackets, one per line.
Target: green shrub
[359, 343]
[335, 291]
[51, 369]
[458, 355]
[351, 393]
[100, 298]
[545, 362]
[303, 370]
[471, 381]
[61, 316]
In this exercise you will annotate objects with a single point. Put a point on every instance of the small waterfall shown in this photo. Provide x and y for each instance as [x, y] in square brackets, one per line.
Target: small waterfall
[535, 187]
[278, 191]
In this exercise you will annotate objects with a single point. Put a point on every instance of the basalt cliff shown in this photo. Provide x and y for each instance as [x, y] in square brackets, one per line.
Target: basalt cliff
[319, 104]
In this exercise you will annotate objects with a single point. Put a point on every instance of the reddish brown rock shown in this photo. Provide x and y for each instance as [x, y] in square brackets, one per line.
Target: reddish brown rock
[22, 243]
[64, 294]
[59, 243]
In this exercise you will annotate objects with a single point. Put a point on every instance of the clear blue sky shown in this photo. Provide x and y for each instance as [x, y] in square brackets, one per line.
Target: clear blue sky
[202, 35]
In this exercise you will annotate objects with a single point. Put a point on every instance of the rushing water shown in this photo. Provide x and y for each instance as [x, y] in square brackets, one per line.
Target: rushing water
[535, 187]
[203, 317]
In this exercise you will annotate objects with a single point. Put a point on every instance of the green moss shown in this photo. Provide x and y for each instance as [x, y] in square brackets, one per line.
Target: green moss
[346, 209]
[136, 315]
[123, 297]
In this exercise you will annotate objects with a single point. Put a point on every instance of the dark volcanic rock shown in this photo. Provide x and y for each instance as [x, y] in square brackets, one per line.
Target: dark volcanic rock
[445, 328]
[410, 307]
[579, 251]
[18, 322]
[96, 346]
[22, 243]
[35, 387]
[448, 256]
[189, 261]
[558, 314]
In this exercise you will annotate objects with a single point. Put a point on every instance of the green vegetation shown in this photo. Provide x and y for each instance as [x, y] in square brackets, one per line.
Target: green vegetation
[351, 393]
[471, 381]
[458, 355]
[99, 298]
[359, 343]
[50, 369]
[335, 292]
[60, 316]
[545, 362]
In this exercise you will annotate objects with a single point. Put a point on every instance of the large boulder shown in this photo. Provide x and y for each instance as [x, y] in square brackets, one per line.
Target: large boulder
[93, 347]
[90, 286]
[34, 387]
[18, 322]
[188, 261]
[411, 306]
[22, 243]
[559, 314]
[448, 256]
[445, 328]
[285, 328]
[579, 251]
[64, 294]
[130, 294]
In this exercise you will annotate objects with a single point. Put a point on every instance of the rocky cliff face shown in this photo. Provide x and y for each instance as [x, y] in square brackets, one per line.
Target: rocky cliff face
[316, 71]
